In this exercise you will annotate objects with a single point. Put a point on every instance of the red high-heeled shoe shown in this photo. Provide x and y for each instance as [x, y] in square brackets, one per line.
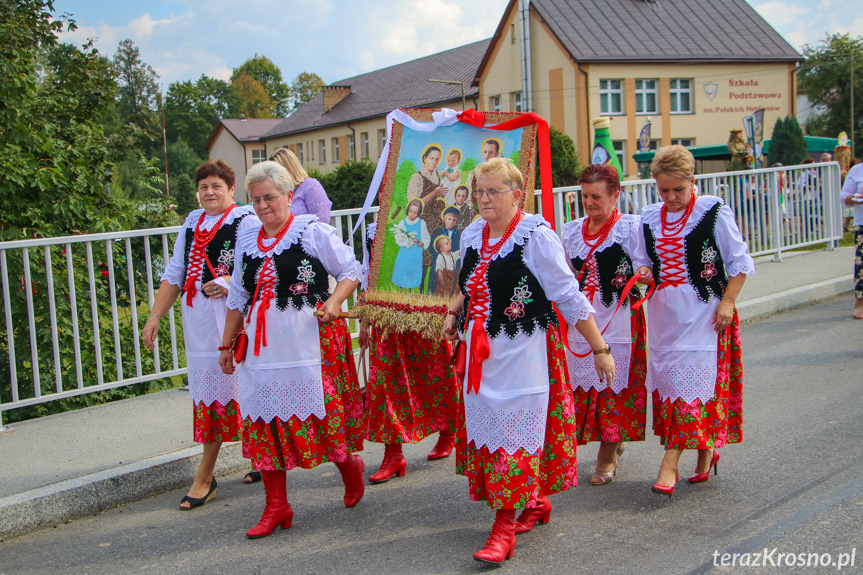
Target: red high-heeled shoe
[714, 464]
[529, 517]
[352, 475]
[277, 510]
[666, 489]
[501, 540]
[393, 464]
[444, 445]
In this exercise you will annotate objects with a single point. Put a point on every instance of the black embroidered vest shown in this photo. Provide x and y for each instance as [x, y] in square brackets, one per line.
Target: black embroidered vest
[704, 266]
[518, 303]
[614, 269]
[220, 251]
[300, 278]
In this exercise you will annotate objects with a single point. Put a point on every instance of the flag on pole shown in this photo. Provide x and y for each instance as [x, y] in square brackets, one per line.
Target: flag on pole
[644, 139]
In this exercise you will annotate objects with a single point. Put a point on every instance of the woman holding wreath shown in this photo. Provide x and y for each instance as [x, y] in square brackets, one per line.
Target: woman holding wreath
[299, 393]
[517, 442]
[600, 247]
[692, 248]
[201, 268]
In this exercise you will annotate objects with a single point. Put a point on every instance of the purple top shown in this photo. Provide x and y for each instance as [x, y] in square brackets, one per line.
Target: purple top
[310, 198]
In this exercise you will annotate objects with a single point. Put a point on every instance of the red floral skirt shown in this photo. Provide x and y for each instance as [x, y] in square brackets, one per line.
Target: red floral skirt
[412, 391]
[277, 445]
[516, 481]
[698, 425]
[216, 422]
[608, 416]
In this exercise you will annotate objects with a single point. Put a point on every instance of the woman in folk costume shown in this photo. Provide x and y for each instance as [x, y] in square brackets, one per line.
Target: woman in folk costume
[600, 247]
[298, 387]
[517, 444]
[200, 268]
[411, 392]
[692, 248]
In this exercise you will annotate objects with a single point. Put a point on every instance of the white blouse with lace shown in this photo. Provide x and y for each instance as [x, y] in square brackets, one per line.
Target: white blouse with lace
[511, 409]
[285, 380]
[204, 321]
[681, 338]
[618, 334]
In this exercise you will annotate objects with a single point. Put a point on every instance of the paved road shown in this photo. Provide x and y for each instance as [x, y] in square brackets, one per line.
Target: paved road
[795, 484]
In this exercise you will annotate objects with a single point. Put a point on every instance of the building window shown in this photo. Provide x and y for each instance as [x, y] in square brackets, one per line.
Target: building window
[323, 148]
[258, 156]
[610, 97]
[300, 156]
[685, 142]
[364, 138]
[494, 103]
[516, 99]
[619, 150]
[335, 150]
[352, 149]
[382, 136]
[645, 97]
[680, 94]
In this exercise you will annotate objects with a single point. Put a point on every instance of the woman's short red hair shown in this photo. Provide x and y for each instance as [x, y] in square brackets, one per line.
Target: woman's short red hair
[601, 173]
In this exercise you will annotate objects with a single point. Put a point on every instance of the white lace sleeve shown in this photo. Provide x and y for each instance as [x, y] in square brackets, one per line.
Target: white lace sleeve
[249, 222]
[639, 247]
[237, 295]
[322, 241]
[544, 257]
[632, 241]
[734, 251]
[175, 271]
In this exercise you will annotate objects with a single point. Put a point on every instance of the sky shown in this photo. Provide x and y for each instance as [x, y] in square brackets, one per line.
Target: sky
[338, 39]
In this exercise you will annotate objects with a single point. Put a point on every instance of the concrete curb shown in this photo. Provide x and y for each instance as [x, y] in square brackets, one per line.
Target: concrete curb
[764, 307]
[75, 498]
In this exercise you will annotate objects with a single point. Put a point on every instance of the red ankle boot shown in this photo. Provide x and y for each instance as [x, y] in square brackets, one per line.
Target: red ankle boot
[393, 464]
[529, 517]
[501, 541]
[444, 445]
[352, 474]
[277, 511]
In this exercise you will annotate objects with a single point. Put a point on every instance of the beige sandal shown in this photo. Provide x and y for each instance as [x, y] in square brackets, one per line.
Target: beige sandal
[603, 477]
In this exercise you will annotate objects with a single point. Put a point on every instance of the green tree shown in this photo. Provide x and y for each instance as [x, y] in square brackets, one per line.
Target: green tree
[565, 167]
[304, 87]
[254, 100]
[182, 162]
[347, 185]
[825, 77]
[269, 76]
[192, 110]
[787, 145]
[139, 89]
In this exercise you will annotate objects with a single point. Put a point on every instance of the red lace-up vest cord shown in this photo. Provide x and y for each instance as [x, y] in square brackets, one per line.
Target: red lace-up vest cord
[477, 287]
[265, 290]
[197, 253]
[591, 280]
[669, 248]
[593, 241]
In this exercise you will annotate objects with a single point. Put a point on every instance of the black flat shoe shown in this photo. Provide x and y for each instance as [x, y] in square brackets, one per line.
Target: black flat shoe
[198, 501]
[252, 477]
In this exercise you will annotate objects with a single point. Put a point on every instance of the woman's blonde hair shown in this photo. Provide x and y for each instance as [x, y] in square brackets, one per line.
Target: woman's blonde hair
[288, 160]
[674, 161]
[272, 172]
[502, 168]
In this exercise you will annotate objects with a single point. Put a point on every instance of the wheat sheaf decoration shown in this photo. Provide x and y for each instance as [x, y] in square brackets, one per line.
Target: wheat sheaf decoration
[403, 312]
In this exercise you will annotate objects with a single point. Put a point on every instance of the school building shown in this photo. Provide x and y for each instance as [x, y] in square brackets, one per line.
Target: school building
[691, 68]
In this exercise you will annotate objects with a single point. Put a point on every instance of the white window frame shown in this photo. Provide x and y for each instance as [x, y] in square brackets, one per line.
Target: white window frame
[258, 156]
[620, 151]
[607, 91]
[364, 138]
[323, 148]
[335, 150]
[645, 88]
[494, 103]
[517, 103]
[675, 93]
[682, 142]
[352, 148]
[300, 156]
[382, 135]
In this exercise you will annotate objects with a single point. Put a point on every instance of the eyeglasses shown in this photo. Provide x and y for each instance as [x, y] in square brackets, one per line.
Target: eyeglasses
[491, 193]
[266, 199]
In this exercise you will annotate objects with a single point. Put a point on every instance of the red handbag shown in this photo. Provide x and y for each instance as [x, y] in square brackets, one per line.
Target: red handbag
[239, 345]
[459, 359]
